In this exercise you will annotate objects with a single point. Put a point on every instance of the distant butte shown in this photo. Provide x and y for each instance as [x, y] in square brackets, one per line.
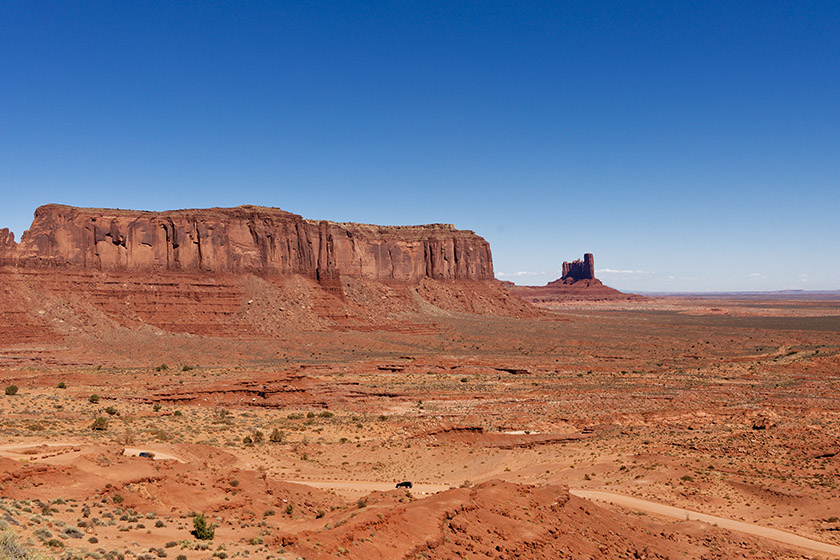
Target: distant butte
[578, 283]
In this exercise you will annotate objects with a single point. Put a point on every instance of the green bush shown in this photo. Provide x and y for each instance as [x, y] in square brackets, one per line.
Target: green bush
[112, 411]
[93, 399]
[202, 531]
[62, 385]
[100, 424]
[11, 390]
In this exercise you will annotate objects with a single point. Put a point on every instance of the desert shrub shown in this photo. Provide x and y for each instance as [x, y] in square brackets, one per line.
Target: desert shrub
[156, 407]
[112, 410]
[93, 540]
[277, 436]
[117, 499]
[234, 483]
[186, 368]
[202, 530]
[54, 543]
[177, 413]
[11, 390]
[326, 414]
[159, 524]
[93, 399]
[12, 549]
[290, 508]
[258, 436]
[73, 533]
[62, 385]
[247, 440]
[100, 424]
[310, 414]
[162, 367]
[127, 438]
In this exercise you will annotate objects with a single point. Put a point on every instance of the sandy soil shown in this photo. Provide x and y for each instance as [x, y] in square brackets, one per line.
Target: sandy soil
[731, 524]
[292, 439]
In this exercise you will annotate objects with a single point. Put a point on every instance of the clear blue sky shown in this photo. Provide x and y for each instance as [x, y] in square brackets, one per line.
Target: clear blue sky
[689, 146]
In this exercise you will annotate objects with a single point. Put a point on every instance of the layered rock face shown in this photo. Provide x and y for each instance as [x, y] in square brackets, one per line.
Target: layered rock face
[251, 239]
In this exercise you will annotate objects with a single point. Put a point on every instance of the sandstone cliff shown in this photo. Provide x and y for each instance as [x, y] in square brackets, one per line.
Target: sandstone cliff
[236, 272]
[250, 239]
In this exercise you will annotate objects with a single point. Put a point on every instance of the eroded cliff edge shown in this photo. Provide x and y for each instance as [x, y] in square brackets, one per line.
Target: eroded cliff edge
[251, 239]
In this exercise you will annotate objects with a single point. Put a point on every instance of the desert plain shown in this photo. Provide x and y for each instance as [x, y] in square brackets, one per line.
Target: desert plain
[286, 414]
[728, 408]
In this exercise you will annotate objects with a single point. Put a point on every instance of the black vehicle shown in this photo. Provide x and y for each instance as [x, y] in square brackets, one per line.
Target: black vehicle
[406, 484]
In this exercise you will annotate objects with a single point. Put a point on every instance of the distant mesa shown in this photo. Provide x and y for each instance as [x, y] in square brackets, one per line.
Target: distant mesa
[245, 239]
[578, 283]
[244, 271]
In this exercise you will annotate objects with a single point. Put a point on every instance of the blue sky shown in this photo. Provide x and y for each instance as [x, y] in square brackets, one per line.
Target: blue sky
[690, 147]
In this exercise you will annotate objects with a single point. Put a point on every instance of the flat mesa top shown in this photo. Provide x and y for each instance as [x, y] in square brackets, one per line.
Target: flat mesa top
[247, 210]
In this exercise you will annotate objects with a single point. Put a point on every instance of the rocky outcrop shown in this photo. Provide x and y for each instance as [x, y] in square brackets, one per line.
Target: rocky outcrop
[579, 270]
[578, 283]
[252, 239]
[7, 246]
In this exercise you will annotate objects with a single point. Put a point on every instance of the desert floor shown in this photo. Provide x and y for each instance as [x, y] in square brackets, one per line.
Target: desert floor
[292, 443]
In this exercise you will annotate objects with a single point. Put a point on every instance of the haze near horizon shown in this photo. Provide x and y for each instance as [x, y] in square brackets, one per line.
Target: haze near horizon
[690, 148]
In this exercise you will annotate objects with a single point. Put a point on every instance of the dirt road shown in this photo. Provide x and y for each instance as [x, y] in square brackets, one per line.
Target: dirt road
[352, 487]
[731, 524]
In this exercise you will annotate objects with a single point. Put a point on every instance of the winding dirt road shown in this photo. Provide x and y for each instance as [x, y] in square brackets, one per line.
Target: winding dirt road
[679, 513]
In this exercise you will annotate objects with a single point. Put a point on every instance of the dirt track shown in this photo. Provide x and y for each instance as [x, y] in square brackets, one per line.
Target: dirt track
[354, 487]
[722, 522]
